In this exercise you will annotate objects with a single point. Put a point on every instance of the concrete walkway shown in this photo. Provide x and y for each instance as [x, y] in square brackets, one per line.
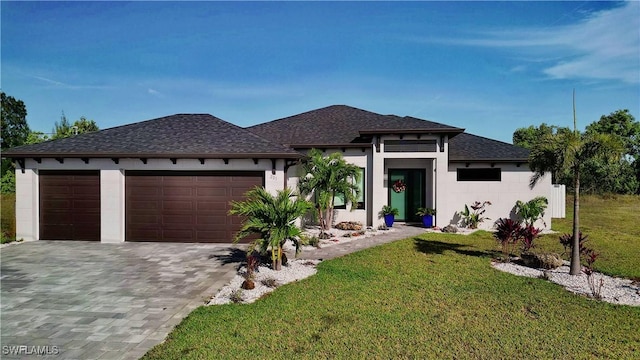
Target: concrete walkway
[87, 300]
[401, 231]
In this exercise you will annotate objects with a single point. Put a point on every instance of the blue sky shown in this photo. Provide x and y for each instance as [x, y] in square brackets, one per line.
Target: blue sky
[489, 67]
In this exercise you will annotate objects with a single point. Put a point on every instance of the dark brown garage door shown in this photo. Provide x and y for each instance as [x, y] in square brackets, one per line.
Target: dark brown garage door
[185, 206]
[69, 205]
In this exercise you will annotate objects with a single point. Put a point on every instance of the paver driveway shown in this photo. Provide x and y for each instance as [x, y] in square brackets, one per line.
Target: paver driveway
[87, 300]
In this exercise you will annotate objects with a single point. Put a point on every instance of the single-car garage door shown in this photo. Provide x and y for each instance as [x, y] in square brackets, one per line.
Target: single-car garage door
[69, 205]
[185, 206]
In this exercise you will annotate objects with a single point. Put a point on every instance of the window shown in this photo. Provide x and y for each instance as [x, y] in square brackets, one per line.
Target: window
[338, 200]
[410, 146]
[480, 174]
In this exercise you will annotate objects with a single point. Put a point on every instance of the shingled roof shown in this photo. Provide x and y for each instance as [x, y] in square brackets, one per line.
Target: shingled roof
[469, 147]
[179, 136]
[341, 125]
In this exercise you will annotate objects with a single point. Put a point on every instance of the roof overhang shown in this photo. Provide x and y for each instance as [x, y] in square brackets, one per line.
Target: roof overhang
[23, 155]
[453, 131]
[332, 146]
[489, 160]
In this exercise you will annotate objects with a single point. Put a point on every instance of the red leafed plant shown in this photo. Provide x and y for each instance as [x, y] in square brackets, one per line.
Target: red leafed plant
[567, 242]
[595, 286]
[508, 233]
[529, 234]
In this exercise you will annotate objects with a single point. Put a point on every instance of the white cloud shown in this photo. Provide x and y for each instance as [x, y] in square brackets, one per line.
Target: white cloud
[605, 45]
[62, 85]
[155, 93]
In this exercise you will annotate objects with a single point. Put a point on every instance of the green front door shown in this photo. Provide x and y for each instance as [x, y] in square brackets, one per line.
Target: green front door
[412, 197]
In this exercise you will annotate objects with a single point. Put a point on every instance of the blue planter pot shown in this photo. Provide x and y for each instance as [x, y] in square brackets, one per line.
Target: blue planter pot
[427, 221]
[388, 220]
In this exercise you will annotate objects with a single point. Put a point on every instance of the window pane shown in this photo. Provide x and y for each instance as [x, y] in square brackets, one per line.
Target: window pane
[481, 174]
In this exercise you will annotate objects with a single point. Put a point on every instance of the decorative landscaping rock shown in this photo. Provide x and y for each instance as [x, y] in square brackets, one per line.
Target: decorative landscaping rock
[450, 229]
[349, 225]
[248, 284]
[542, 261]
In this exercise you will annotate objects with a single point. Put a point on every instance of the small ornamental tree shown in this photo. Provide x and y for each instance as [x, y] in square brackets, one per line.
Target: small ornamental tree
[273, 218]
[568, 152]
[324, 177]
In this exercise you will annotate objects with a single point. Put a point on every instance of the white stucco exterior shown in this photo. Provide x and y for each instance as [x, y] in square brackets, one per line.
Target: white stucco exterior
[112, 187]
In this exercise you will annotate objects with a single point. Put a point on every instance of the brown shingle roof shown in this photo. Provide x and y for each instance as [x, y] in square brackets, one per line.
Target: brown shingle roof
[342, 125]
[181, 135]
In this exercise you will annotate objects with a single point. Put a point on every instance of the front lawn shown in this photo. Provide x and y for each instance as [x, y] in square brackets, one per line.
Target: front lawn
[435, 296]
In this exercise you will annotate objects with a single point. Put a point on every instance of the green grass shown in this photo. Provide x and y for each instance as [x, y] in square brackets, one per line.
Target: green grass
[7, 218]
[435, 296]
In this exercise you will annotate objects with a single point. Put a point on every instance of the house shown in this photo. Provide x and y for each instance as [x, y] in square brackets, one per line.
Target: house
[172, 178]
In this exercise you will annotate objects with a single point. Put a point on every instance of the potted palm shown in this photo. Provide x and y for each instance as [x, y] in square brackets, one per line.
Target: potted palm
[427, 216]
[389, 213]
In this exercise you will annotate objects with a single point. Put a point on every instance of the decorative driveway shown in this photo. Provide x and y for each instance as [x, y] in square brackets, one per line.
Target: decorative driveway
[88, 300]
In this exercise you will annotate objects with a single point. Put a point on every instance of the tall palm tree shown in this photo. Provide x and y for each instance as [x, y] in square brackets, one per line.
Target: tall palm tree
[325, 177]
[273, 218]
[568, 152]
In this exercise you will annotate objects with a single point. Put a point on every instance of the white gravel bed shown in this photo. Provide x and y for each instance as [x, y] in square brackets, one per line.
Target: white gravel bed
[337, 238]
[615, 290]
[294, 271]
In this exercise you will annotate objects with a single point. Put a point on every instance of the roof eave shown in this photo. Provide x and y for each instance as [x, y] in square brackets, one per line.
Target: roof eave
[411, 131]
[156, 156]
[493, 160]
[332, 146]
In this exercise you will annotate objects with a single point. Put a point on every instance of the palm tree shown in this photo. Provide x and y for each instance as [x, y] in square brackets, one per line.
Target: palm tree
[568, 152]
[326, 177]
[273, 218]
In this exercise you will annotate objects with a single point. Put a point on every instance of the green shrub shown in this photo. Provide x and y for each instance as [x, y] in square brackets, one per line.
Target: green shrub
[8, 218]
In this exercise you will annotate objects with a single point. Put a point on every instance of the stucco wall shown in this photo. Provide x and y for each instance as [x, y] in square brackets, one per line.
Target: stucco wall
[112, 185]
[502, 194]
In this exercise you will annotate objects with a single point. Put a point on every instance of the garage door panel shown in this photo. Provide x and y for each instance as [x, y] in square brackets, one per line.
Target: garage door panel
[56, 232]
[178, 235]
[144, 234]
[212, 191]
[59, 205]
[143, 204]
[181, 220]
[176, 207]
[193, 205]
[213, 236]
[69, 205]
[85, 232]
[178, 191]
[211, 205]
[145, 219]
[86, 204]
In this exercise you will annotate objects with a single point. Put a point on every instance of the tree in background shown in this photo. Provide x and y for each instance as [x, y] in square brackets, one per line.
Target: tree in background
[570, 152]
[620, 177]
[623, 176]
[65, 129]
[15, 129]
[325, 177]
[527, 137]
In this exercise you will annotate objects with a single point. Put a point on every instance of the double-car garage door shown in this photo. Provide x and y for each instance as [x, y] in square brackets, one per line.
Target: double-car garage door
[159, 206]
